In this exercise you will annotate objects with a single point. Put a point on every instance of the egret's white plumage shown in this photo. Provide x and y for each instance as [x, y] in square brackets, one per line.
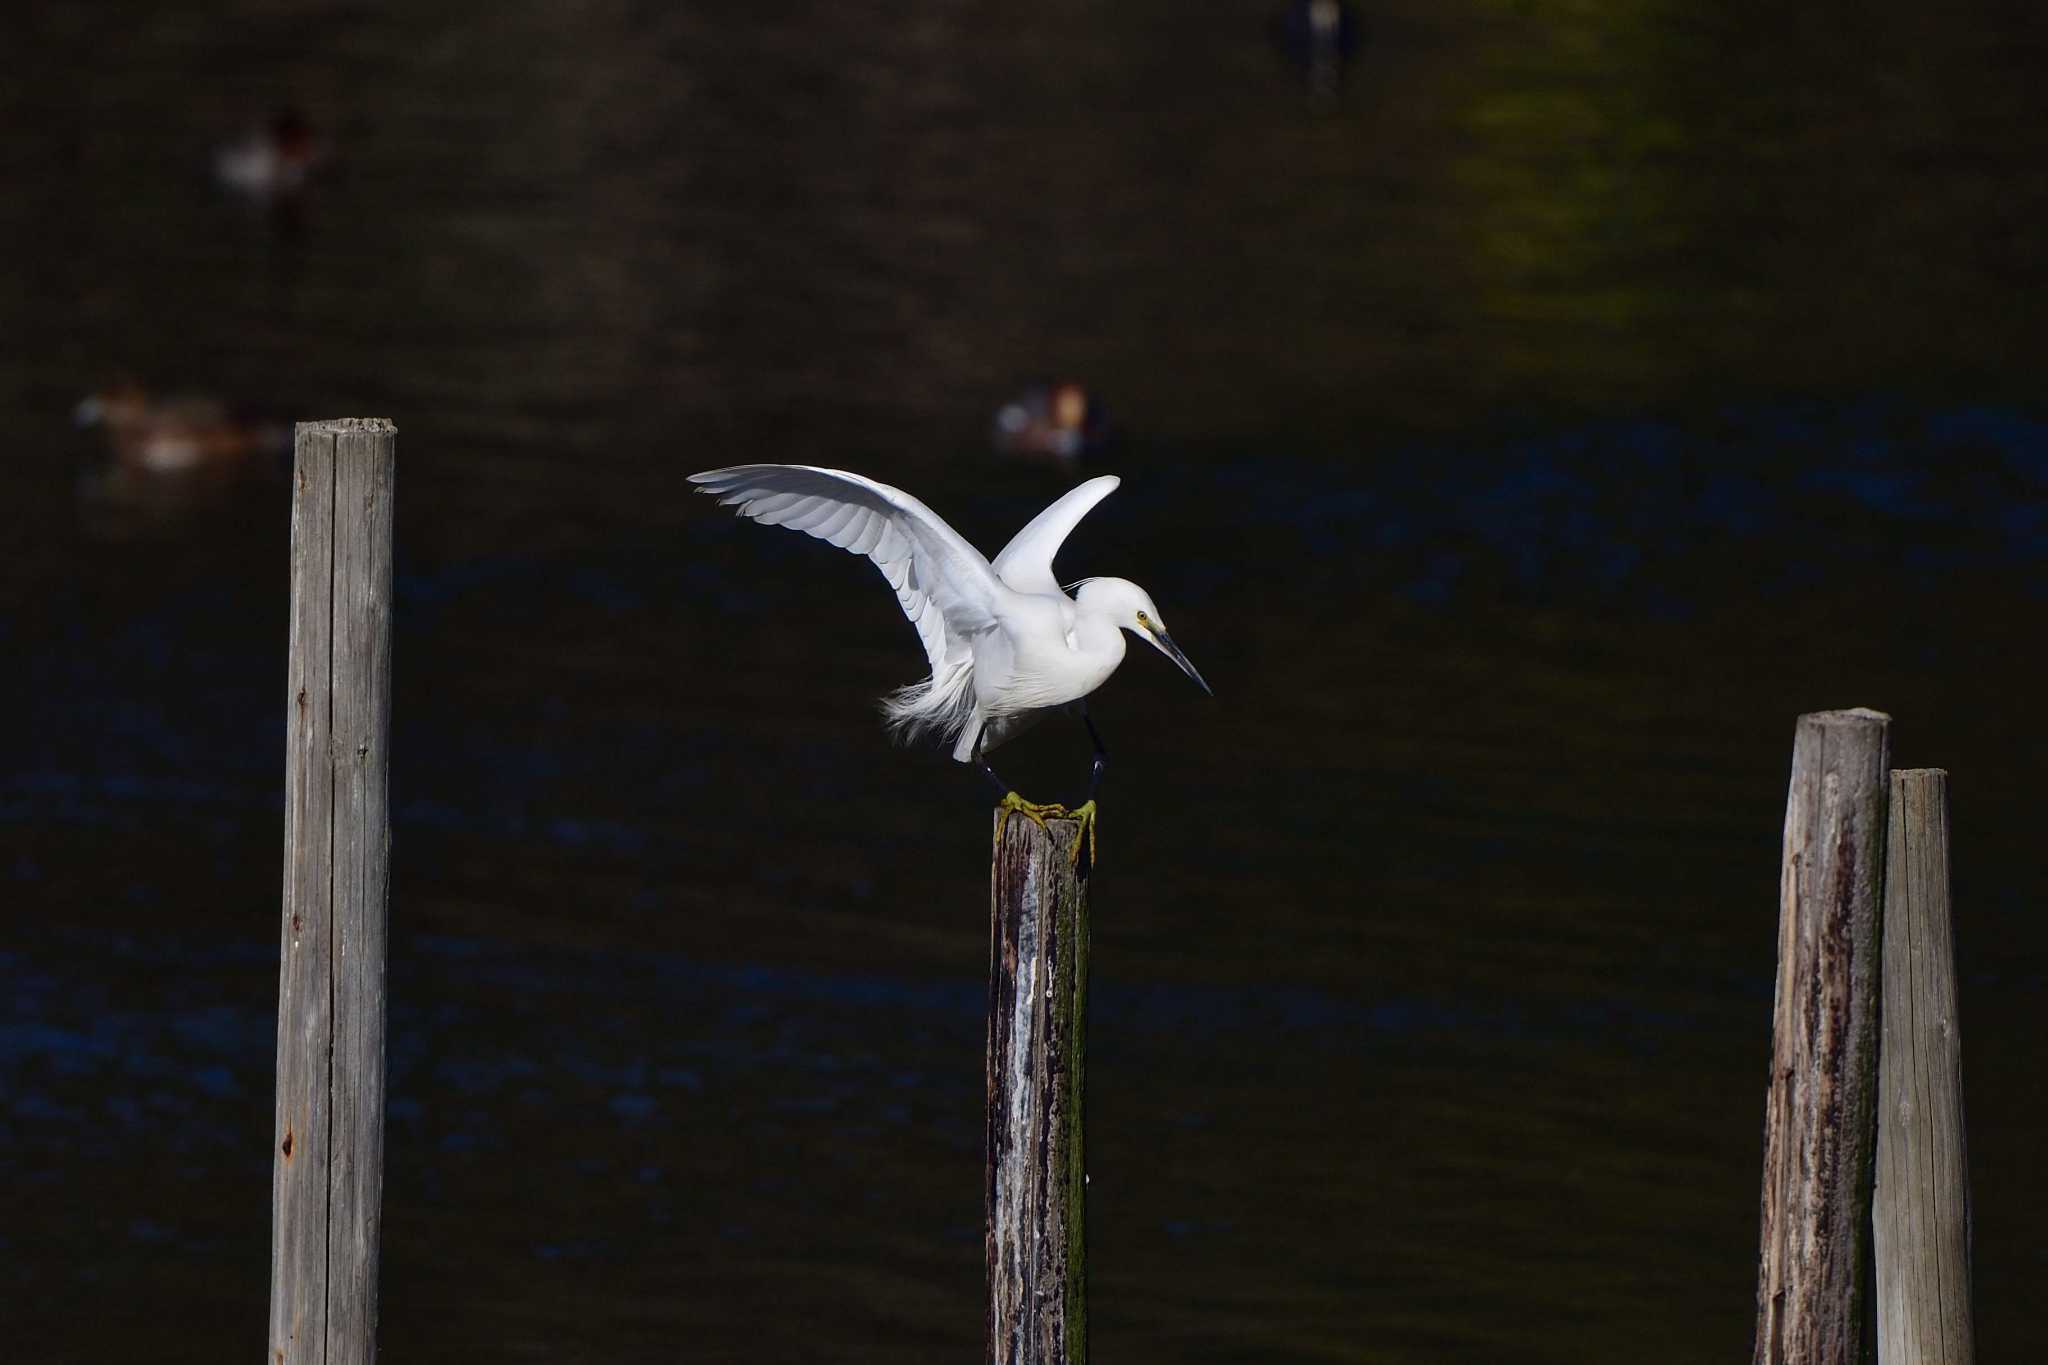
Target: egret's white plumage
[1004, 642]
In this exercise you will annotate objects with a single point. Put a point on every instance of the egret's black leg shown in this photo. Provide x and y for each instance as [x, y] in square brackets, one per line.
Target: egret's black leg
[1038, 813]
[986, 771]
[1101, 752]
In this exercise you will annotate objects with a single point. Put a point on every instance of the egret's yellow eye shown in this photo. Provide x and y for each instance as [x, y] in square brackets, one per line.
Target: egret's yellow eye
[1143, 619]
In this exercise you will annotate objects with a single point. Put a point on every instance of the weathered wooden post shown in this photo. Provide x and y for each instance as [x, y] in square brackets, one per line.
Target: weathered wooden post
[328, 1149]
[1922, 1218]
[1821, 1102]
[1037, 1007]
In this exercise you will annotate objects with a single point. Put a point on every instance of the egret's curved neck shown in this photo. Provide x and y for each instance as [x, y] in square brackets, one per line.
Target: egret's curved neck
[1097, 633]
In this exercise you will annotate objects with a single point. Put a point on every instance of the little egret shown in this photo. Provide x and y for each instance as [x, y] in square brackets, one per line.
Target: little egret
[1005, 641]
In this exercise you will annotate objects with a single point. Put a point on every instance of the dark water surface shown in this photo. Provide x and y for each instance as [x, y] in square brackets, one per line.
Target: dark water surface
[1518, 440]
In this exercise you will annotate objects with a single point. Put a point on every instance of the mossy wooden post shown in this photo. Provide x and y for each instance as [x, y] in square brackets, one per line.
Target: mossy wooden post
[1820, 1106]
[327, 1150]
[1037, 1007]
[1922, 1219]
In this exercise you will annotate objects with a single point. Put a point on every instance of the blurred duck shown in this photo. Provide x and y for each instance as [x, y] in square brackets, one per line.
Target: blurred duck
[1317, 36]
[1054, 421]
[273, 160]
[185, 437]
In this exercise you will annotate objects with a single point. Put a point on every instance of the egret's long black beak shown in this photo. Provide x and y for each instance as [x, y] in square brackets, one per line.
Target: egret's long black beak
[1172, 651]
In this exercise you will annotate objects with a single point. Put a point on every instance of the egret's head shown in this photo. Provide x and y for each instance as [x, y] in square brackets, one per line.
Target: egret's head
[1131, 608]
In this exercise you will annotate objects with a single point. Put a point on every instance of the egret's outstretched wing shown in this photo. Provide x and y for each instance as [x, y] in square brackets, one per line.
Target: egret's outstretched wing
[944, 585]
[1025, 565]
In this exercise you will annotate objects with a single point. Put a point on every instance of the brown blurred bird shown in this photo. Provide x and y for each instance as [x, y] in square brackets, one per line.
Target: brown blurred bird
[183, 437]
[1057, 421]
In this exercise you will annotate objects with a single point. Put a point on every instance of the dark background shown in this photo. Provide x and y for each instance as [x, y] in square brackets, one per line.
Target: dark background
[1518, 438]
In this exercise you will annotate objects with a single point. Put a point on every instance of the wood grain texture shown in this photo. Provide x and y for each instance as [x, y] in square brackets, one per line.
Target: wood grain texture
[1820, 1105]
[328, 1152]
[362, 729]
[1922, 1216]
[299, 1151]
[1036, 1178]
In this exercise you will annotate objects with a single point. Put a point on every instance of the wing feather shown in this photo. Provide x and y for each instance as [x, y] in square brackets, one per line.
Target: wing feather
[832, 527]
[867, 540]
[1025, 565]
[943, 584]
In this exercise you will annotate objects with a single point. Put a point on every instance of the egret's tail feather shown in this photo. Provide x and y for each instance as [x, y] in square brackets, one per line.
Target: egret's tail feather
[941, 705]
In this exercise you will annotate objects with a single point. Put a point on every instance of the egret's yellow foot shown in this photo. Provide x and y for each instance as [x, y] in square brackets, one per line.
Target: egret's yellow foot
[1085, 813]
[1037, 813]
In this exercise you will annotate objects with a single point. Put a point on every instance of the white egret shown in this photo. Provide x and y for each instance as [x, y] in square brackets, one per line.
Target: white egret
[1005, 641]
